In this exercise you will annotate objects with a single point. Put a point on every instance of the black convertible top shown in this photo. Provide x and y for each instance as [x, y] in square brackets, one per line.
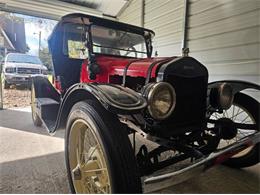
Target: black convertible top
[62, 63]
[79, 18]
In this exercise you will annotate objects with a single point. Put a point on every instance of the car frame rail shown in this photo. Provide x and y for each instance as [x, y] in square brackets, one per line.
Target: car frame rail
[153, 182]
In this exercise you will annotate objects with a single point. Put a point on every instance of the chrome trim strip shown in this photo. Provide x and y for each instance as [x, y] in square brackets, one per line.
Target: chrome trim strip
[154, 183]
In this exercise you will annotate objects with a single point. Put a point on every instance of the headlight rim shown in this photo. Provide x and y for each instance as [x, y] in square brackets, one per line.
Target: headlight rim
[150, 97]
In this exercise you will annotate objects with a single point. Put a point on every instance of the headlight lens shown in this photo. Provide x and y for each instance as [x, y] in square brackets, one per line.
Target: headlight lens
[45, 72]
[10, 70]
[161, 100]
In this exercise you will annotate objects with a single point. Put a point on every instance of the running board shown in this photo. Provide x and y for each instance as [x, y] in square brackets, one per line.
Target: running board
[153, 182]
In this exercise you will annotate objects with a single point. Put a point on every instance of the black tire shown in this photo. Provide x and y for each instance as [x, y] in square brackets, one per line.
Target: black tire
[251, 158]
[6, 85]
[113, 137]
[36, 119]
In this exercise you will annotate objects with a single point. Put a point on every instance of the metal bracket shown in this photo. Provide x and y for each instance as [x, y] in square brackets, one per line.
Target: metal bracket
[185, 52]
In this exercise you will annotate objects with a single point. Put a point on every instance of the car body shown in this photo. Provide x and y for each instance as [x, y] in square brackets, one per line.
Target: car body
[109, 88]
[18, 69]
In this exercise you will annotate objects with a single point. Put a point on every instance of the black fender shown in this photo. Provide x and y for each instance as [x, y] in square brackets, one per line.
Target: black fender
[44, 89]
[114, 98]
[236, 85]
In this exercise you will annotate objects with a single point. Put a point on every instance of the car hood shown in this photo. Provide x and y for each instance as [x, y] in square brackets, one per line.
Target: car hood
[25, 65]
[137, 68]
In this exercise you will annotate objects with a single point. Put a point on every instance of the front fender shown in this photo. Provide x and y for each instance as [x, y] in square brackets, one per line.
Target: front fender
[236, 84]
[114, 98]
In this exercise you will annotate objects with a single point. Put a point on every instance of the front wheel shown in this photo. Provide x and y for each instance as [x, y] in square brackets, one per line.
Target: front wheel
[99, 156]
[244, 110]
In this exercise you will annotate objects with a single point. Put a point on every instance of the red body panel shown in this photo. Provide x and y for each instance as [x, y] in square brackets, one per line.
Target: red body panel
[111, 66]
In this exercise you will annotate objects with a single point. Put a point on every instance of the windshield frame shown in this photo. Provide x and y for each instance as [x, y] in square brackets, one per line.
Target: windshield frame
[145, 34]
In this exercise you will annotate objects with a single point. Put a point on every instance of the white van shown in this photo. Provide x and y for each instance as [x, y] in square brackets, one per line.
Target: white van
[19, 68]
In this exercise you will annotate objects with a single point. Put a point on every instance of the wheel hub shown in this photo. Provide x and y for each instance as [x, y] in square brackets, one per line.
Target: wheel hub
[92, 169]
[226, 128]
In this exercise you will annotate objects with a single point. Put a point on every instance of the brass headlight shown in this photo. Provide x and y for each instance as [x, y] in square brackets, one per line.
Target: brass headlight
[222, 96]
[161, 98]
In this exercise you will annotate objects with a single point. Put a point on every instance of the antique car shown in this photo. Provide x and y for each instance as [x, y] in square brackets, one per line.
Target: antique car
[136, 123]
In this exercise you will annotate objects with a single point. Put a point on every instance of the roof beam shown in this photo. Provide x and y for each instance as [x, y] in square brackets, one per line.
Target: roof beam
[51, 9]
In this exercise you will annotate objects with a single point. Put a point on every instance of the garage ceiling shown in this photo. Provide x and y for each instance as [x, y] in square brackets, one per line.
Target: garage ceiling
[54, 9]
[107, 7]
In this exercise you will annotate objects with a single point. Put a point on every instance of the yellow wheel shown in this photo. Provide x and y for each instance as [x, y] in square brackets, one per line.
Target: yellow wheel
[36, 119]
[88, 166]
[99, 155]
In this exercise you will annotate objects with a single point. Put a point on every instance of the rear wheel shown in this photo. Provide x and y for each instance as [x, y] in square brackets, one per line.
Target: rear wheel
[99, 156]
[6, 85]
[36, 119]
[244, 110]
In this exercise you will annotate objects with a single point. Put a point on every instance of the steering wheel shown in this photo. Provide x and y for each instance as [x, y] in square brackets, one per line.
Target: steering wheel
[131, 49]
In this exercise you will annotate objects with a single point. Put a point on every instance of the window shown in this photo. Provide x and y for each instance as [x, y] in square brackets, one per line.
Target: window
[77, 50]
[74, 41]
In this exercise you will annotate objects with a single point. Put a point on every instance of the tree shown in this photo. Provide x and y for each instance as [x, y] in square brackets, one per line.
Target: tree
[6, 15]
[46, 58]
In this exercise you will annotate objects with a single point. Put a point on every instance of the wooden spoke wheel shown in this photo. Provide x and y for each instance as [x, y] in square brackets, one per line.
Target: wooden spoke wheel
[99, 155]
[245, 110]
[88, 166]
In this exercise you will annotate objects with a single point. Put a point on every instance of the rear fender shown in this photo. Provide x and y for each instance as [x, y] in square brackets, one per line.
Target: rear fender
[44, 89]
[114, 98]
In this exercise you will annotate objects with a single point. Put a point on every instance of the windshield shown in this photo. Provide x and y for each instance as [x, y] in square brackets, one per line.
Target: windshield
[116, 42]
[22, 58]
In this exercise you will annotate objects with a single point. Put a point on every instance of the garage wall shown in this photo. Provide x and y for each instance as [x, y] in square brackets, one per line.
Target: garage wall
[164, 17]
[132, 14]
[224, 35]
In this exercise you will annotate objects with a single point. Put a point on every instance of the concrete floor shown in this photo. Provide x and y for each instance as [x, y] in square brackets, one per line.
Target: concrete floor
[31, 161]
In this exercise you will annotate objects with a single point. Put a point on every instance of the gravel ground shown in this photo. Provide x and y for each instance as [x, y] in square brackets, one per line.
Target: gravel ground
[16, 97]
